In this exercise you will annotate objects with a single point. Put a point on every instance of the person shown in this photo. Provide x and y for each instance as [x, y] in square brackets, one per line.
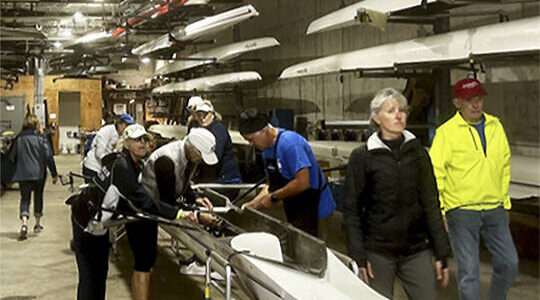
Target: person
[391, 213]
[293, 174]
[166, 177]
[471, 160]
[226, 171]
[103, 143]
[118, 191]
[32, 154]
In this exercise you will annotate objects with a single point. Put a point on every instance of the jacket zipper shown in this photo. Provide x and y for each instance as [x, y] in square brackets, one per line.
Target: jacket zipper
[472, 136]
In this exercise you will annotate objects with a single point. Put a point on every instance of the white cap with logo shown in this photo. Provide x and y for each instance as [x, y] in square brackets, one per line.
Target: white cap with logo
[205, 142]
[134, 131]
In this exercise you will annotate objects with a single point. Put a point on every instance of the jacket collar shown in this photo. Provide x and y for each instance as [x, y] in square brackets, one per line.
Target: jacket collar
[136, 166]
[27, 132]
[374, 142]
[458, 118]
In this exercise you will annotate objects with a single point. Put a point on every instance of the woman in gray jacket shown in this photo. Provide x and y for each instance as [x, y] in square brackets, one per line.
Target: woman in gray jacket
[31, 154]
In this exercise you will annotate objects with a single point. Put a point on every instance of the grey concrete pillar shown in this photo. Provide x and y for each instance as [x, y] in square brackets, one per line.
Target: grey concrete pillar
[443, 93]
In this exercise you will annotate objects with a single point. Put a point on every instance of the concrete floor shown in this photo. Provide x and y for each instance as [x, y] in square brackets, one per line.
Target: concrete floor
[43, 267]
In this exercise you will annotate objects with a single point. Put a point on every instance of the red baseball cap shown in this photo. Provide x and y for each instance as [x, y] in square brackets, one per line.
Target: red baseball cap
[468, 88]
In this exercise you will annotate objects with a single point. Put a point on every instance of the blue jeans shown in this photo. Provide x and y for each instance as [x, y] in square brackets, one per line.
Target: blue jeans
[465, 228]
[26, 188]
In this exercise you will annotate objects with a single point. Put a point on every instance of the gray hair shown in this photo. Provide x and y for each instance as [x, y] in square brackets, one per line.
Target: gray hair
[380, 98]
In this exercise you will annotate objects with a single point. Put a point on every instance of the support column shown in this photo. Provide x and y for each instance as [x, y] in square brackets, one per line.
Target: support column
[39, 90]
[443, 107]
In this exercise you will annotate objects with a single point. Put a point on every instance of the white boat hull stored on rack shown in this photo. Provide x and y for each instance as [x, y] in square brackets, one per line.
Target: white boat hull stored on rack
[208, 82]
[347, 16]
[217, 55]
[509, 38]
[197, 29]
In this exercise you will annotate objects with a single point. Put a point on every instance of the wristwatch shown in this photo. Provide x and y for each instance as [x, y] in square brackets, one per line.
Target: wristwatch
[274, 198]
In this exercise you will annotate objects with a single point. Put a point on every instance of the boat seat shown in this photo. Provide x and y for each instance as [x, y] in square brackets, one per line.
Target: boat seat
[261, 244]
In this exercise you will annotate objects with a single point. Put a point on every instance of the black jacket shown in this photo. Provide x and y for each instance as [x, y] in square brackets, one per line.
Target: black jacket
[391, 201]
[31, 153]
[125, 174]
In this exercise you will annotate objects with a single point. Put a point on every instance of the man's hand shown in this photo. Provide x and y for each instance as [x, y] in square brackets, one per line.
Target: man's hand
[190, 215]
[365, 273]
[445, 223]
[208, 219]
[203, 201]
[55, 180]
[442, 274]
[258, 203]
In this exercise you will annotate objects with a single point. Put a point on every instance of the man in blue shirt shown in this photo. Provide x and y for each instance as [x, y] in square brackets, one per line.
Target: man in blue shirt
[293, 174]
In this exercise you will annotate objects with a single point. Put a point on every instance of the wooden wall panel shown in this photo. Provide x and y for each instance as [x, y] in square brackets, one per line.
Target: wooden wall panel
[25, 88]
[90, 98]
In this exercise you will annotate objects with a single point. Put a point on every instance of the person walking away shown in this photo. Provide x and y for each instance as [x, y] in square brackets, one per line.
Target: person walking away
[32, 155]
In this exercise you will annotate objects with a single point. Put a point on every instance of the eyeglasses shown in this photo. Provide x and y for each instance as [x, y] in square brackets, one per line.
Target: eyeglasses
[141, 139]
[249, 113]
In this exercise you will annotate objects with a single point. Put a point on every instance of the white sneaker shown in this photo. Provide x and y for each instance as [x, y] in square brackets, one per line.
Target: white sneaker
[194, 269]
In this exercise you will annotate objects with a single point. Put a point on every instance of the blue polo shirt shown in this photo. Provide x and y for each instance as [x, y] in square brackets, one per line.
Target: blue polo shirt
[294, 154]
[480, 128]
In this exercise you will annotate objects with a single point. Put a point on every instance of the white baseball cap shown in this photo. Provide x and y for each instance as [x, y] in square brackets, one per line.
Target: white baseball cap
[206, 106]
[205, 142]
[134, 131]
[194, 102]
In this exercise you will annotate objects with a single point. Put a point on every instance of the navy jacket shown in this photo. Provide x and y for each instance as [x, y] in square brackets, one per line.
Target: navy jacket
[31, 154]
[226, 170]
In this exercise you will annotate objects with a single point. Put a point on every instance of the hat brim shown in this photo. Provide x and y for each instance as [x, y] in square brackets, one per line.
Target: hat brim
[473, 93]
[209, 158]
[204, 109]
[139, 134]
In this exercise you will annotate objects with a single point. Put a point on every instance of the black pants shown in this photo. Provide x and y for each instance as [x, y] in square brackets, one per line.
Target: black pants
[26, 188]
[92, 254]
[142, 236]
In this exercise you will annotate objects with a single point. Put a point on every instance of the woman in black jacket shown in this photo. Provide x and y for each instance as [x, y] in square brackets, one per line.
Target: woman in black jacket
[32, 154]
[125, 193]
[392, 213]
[226, 171]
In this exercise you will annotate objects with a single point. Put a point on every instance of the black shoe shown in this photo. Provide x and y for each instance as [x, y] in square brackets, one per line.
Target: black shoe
[38, 229]
[22, 233]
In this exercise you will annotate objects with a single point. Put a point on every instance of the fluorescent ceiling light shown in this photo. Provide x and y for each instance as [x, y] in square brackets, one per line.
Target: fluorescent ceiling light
[92, 36]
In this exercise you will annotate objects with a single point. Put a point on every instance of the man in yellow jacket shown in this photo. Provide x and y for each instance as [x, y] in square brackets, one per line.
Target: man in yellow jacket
[471, 160]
